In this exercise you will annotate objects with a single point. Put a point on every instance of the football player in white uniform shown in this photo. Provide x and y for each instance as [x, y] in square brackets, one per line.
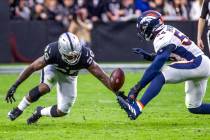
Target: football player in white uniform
[60, 65]
[194, 70]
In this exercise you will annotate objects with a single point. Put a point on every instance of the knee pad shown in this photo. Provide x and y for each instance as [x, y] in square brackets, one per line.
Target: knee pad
[34, 94]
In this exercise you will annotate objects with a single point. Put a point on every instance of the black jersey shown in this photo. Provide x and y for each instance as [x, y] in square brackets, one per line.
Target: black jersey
[205, 12]
[52, 56]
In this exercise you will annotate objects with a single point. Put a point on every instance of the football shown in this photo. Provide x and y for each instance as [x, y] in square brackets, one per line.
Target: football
[117, 79]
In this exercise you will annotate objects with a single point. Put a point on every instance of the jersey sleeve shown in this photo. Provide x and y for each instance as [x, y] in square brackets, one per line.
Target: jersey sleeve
[48, 56]
[162, 40]
[204, 10]
[88, 57]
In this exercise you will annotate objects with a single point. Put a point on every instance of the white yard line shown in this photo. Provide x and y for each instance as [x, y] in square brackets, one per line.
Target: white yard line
[107, 67]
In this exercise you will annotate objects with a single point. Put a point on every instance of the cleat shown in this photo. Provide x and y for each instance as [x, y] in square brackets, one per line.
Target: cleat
[131, 107]
[35, 116]
[14, 114]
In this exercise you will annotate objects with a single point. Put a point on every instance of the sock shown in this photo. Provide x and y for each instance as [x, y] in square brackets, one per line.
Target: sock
[46, 111]
[203, 109]
[50, 111]
[153, 89]
[23, 104]
[54, 112]
[140, 105]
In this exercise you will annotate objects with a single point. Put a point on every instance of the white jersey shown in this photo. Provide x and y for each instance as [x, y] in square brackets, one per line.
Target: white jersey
[185, 49]
[195, 69]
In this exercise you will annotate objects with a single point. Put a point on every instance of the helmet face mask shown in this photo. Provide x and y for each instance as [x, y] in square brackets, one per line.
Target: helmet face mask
[69, 48]
[144, 31]
[147, 24]
[72, 57]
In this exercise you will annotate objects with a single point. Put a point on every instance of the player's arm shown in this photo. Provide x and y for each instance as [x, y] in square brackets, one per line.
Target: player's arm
[201, 24]
[98, 72]
[154, 69]
[35, 66]
[150, 56]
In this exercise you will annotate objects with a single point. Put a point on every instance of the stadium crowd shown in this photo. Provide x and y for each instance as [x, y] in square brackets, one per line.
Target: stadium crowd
[78, 16]
[102, 10]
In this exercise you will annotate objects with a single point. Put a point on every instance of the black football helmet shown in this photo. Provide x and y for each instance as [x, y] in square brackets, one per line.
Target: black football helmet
[148, 23]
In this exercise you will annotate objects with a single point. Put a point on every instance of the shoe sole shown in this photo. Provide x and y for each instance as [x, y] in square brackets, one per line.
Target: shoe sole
[37, 109]
[9, 115]
[11, 118]
[125, 106]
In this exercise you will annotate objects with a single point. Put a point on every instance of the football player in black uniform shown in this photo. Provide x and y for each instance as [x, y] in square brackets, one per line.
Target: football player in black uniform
[60, 65]
[205, 16]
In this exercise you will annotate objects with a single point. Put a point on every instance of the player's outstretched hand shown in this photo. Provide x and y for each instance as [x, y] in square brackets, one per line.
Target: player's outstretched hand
[133, 93]
[10, 94]
[148, 56]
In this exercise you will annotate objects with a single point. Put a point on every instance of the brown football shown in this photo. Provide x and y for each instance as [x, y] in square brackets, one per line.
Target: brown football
[117, 79]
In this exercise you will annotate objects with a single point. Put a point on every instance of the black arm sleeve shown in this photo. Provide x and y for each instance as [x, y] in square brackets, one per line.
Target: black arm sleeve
[204, 10]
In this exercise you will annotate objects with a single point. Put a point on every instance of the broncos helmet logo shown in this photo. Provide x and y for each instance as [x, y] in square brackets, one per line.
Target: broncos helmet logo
[147, 23]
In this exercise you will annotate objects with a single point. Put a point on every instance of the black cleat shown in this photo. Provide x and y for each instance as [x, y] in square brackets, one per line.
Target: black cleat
[35, 116]
[14, 114]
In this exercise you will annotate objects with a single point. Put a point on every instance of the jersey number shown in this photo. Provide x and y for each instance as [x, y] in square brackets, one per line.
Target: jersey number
[90, 59]
[184, 39]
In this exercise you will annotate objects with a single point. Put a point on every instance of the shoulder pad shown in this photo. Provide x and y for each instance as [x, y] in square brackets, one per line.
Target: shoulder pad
[163, 39]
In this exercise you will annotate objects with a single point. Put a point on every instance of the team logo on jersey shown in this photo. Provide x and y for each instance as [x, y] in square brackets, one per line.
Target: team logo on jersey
[161, 37]
[46, 56]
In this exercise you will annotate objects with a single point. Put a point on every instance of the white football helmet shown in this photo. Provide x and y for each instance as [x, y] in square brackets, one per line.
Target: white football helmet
[69, 47]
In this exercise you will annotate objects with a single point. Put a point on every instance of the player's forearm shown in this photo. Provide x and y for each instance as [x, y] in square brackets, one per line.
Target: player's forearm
[36, 65]
[106, 81]
[100, 75]
[201, 25]
[24, 75]
[104, 78]
[153, 70]
[149, 74]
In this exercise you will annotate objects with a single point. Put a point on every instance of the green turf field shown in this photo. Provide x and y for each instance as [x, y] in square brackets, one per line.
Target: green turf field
[97, 116]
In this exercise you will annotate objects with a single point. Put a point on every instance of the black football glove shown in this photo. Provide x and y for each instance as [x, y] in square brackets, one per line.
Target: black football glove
[150, 56]
[10, 94]
[134, 91]
[121, 94]
[132, 95]
[146, 55]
